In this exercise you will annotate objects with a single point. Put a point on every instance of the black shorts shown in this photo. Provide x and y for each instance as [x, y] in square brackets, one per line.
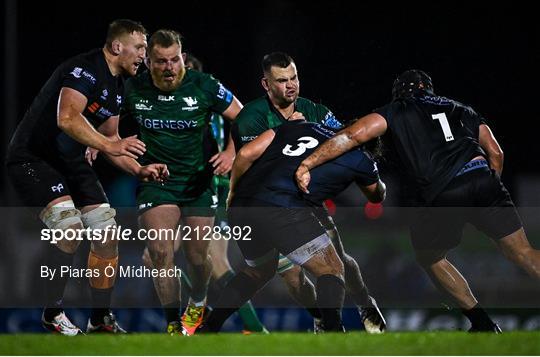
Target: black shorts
[279, 229]
[38, 182]
[477, 197]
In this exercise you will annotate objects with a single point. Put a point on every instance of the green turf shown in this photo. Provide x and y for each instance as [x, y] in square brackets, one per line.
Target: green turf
[424, 343]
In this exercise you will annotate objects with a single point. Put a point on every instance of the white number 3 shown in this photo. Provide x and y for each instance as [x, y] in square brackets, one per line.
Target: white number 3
[443, 120]
[304, 143]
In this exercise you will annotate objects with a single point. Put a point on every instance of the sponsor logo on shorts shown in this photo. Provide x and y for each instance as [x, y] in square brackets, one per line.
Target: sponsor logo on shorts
[57, 188]
[145, 205]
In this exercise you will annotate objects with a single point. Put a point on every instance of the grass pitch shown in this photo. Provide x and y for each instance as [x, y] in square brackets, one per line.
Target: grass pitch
[355, 343]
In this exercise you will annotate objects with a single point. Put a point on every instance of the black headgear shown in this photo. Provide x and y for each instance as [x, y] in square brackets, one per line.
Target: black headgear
[408, 83]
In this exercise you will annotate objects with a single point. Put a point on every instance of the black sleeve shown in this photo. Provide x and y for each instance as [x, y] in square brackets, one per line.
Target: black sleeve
[385, 112]
[236, 136]
[367, 172]
[82, 78]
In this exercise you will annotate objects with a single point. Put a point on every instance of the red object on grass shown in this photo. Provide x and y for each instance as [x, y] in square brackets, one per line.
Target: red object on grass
[373, 210]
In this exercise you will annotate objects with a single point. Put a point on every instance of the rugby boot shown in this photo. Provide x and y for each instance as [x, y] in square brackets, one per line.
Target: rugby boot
[372, 317]
[61, 324]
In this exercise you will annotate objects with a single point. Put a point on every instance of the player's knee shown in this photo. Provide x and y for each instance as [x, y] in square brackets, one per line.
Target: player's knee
[294, 276]
[521, 255]
[196, 256]
[161, 256]
[147, 261]
[63, 216]
[100, 217]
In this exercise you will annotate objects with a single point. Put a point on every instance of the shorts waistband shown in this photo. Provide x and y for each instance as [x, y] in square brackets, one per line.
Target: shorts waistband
[473, 165]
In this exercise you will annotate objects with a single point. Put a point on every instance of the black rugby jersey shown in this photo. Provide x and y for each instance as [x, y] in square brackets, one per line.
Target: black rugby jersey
[38, 133]
[271, 177]
[431, 137]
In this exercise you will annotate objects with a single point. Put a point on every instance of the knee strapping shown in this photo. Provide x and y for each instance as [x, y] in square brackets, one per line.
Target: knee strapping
[62, 215]
[100, 217]
[106, 269]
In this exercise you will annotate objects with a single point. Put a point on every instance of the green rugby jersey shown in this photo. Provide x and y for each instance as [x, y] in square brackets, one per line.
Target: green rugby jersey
[173, 124]
[260, 115]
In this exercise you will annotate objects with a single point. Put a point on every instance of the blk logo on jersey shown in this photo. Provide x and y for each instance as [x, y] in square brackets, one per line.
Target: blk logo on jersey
[165, 98]
[57, 188]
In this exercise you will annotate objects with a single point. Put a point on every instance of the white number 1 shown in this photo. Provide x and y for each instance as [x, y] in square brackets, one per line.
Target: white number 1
[441, 117]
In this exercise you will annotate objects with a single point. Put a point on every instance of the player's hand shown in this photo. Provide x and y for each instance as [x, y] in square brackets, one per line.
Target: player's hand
[130, 146]
[91, 155]
[302, 177]
[297, 116]
[153, 172]
[222, 162]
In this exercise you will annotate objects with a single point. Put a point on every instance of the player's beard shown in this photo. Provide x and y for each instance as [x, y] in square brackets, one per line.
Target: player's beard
[168, 85]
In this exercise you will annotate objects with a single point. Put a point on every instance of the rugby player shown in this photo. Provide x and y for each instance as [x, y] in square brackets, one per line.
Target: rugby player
[173, 106]
[280, 104]
[264, 197]
[452, 161]
[78, 107]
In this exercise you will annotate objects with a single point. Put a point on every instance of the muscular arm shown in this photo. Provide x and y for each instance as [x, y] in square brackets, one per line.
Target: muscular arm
[491, 147]
[230, 114]
[71, 104]
[222, 161]
[70, 120]
[233, 109]
[368, 127]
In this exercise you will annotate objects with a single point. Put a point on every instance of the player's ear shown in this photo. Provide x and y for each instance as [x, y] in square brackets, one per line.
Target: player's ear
[184, 55]
[116, 47]
[264, 83]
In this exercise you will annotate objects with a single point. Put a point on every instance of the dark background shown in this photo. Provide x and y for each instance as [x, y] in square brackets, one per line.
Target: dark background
[347, 54]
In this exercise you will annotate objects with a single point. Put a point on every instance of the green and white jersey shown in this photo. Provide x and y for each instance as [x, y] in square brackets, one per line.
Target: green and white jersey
[173, 124]
[260, 115]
